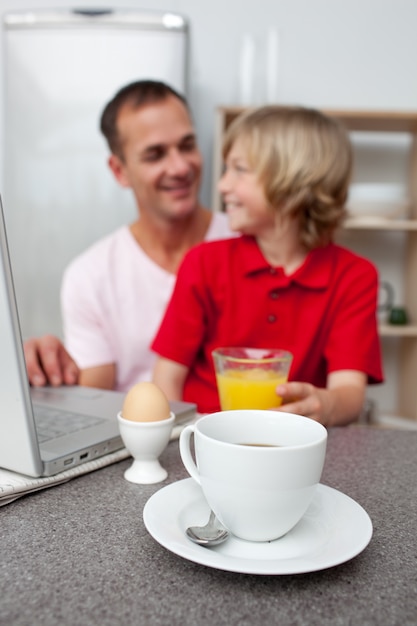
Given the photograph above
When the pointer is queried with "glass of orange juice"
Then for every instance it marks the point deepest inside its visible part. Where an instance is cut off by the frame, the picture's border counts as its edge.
(248, 377)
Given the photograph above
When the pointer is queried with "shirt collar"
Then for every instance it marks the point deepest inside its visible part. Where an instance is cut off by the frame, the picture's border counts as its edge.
(314, 273)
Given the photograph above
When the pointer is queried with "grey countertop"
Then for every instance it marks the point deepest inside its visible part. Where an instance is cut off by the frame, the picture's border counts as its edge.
(79, 553)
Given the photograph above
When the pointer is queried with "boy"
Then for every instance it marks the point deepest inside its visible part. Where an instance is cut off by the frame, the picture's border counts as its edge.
(283, 283)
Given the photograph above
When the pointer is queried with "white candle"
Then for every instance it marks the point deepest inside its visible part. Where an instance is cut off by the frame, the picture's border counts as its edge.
(272, 66)
(246, 70)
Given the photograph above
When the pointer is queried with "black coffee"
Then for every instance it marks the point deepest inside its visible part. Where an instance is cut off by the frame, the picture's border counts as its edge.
(261, 445)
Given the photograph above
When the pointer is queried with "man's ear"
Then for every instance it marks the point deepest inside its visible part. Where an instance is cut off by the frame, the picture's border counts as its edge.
(119, 171)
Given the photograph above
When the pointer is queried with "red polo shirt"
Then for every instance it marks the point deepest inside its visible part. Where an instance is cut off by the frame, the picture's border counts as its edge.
(226, 294)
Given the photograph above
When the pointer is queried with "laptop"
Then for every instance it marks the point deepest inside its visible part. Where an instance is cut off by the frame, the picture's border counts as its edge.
(44, 431)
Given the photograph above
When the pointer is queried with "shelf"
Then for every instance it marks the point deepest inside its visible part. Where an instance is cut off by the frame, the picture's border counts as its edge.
(394, 421)
(390, 330)
(377, 121)
(380, 224)
(358, 120)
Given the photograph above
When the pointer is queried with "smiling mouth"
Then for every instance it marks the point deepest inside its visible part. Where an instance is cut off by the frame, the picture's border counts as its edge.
(231, 206)
(183, 186)
(178, 187)
(181, 192)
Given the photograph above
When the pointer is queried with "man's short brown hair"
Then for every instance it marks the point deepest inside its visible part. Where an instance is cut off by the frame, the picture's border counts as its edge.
(134, 95)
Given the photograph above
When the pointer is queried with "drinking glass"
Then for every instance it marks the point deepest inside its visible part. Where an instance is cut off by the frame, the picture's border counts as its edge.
(247, 378)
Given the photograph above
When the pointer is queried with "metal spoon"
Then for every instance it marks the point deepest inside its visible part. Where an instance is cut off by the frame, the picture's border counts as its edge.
(209, 535)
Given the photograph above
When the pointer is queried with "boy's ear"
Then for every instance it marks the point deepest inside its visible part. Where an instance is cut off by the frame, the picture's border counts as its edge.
(119, 171)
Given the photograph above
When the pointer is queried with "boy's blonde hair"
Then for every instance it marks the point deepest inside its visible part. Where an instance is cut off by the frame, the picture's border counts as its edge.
(303, 159)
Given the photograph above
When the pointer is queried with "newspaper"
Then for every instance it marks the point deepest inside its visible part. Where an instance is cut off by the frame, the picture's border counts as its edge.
(13, 485)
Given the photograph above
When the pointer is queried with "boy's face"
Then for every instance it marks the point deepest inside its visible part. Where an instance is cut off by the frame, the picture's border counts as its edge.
(246, 205)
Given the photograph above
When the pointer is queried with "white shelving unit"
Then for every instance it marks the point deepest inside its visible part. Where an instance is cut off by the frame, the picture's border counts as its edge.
(372, 122)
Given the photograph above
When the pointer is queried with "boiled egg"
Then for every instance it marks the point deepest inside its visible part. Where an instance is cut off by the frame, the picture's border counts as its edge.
(145, 402)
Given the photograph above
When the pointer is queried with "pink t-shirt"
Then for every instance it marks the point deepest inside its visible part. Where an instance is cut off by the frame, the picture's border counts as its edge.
(113, 298)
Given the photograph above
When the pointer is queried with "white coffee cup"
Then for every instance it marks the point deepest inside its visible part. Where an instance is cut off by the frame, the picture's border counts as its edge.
(258, 469)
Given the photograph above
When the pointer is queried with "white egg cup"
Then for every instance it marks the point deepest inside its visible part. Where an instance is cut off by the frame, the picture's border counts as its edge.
(145, 441)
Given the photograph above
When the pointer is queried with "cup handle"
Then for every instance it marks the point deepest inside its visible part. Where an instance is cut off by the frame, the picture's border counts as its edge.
(186, 455)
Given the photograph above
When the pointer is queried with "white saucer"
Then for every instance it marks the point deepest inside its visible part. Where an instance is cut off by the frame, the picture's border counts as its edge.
(334, 529)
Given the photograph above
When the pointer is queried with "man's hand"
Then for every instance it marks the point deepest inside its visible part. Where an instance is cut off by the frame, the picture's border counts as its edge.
(48, 363)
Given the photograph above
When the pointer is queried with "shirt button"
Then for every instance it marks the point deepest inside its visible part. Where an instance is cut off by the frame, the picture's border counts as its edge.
(272, 318)
(274, 295)
(272, 271)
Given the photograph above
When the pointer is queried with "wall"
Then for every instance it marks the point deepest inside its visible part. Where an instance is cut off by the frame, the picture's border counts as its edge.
(332, 53)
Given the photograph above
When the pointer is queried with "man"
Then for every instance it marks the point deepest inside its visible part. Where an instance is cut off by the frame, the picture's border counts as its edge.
(114, 295)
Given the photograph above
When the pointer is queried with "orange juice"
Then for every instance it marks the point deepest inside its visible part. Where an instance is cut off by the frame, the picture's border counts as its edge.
(250, 389)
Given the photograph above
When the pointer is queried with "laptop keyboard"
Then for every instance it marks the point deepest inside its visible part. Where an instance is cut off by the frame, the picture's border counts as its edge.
(53, 423)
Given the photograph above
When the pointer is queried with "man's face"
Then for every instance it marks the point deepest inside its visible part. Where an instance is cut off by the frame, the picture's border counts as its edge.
(161, 161)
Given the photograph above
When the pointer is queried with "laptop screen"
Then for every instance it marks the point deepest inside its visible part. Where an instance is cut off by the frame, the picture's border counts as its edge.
(18, 442)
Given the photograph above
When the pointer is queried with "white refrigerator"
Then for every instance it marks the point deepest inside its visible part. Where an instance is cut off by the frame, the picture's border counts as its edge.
(60, 68)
